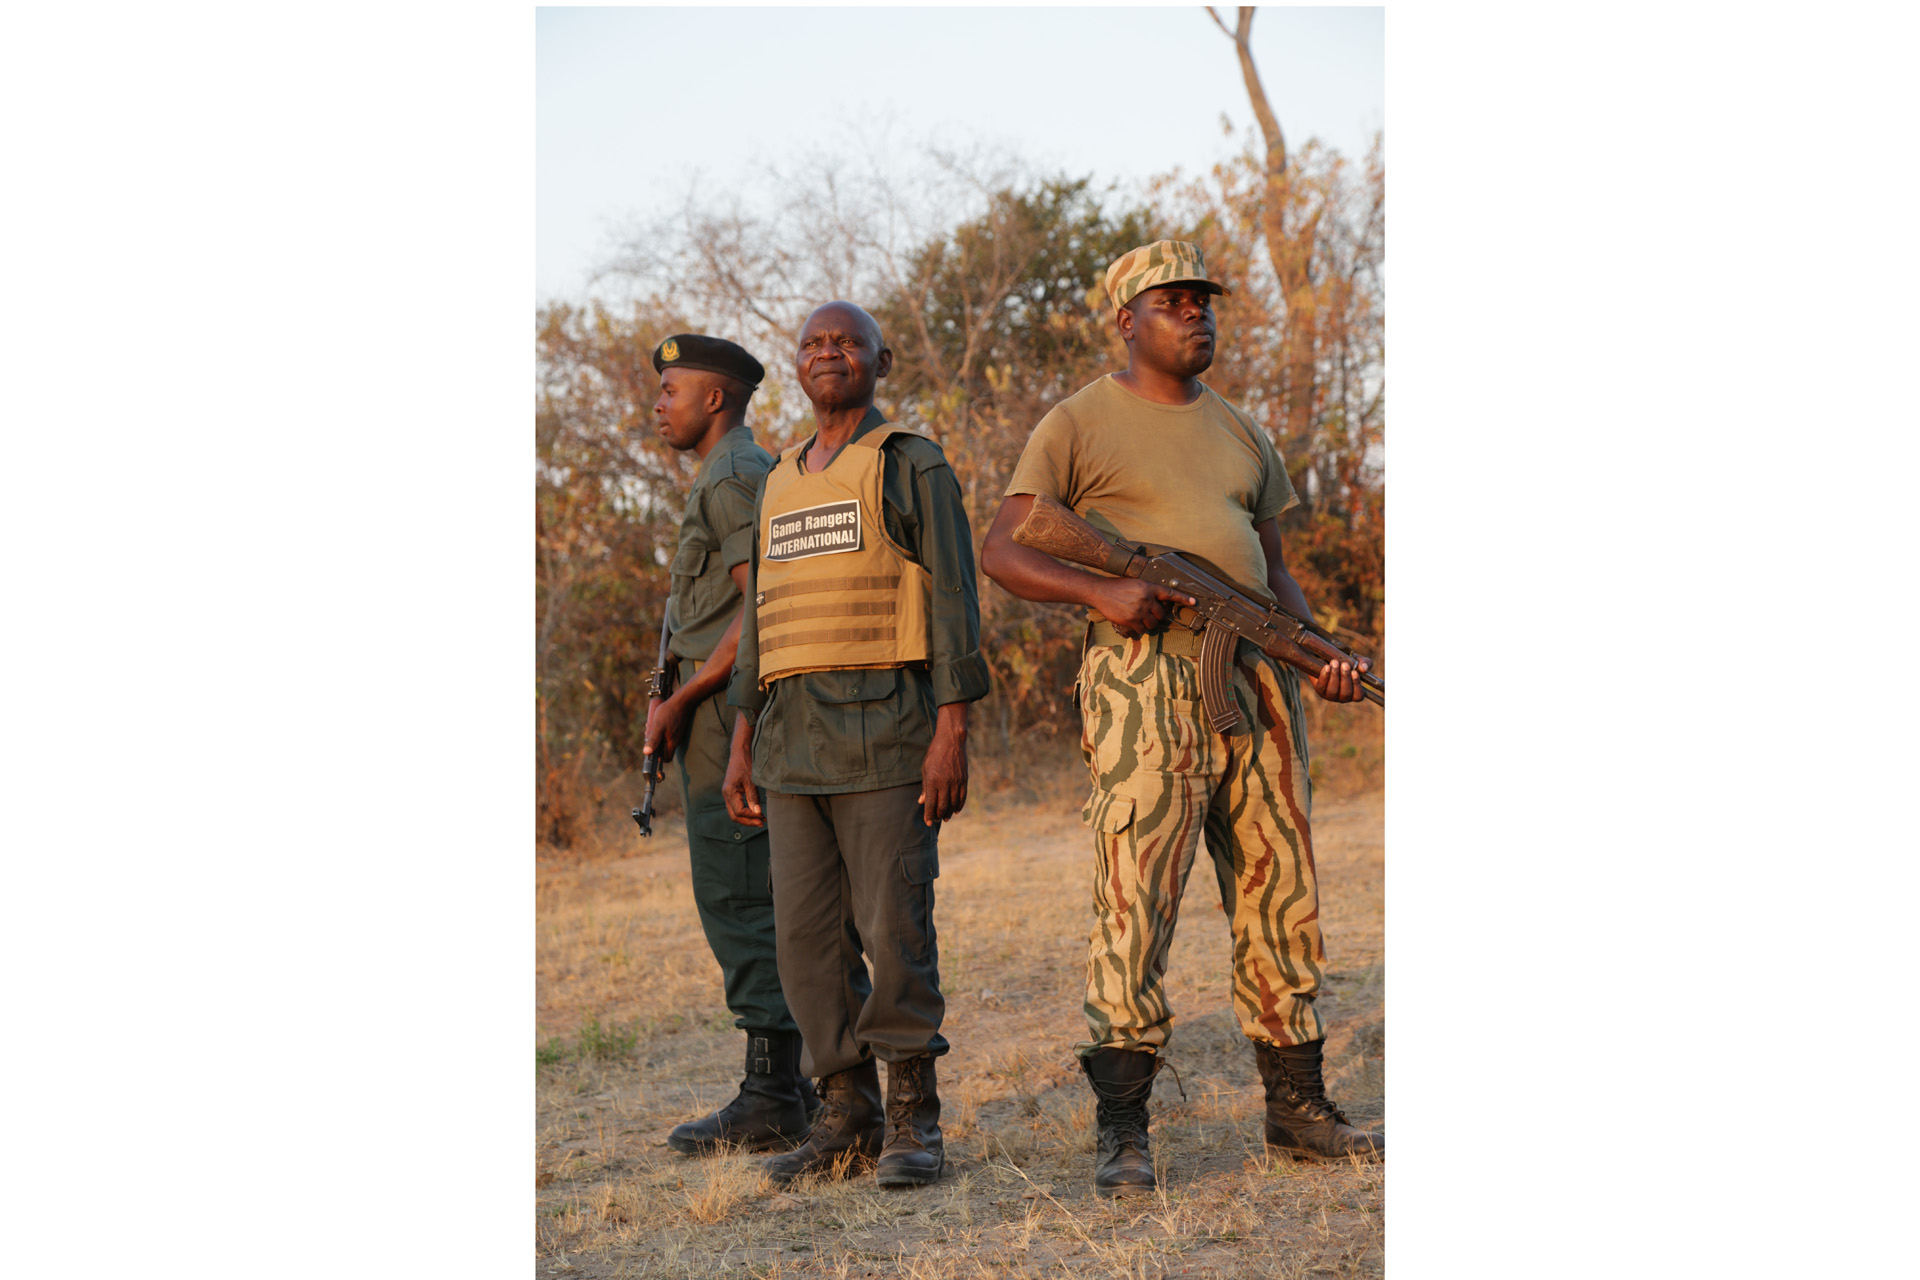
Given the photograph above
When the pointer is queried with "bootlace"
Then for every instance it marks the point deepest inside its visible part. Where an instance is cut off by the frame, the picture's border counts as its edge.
(906, 1089)
(836, 1108)
(1166, 1064)
(1123, 1109)
(1307, 1084)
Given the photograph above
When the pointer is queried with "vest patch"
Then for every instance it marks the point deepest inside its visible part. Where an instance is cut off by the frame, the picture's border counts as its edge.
(814, 531)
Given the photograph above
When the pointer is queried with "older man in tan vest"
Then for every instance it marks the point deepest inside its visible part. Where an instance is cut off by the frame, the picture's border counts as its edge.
(857, 659)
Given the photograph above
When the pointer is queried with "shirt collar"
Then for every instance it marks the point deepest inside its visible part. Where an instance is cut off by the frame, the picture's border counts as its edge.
(874, 418)
(733, 438)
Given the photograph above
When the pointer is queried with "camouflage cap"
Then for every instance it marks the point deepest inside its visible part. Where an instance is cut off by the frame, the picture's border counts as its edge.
(1152, 265)
(715, 355)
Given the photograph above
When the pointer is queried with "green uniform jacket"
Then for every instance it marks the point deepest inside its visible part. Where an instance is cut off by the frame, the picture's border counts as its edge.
(831, 732)
(716, 533)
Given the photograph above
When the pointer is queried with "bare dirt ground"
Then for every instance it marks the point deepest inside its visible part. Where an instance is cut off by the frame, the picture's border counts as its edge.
(634, 1039)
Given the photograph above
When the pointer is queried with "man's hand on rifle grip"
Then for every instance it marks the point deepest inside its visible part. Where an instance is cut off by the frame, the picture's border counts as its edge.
(666, 727)
(1135, 607)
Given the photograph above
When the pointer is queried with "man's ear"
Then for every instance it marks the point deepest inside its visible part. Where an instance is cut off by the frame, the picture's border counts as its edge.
(1123, 320)
(884, 363)
(716, 400)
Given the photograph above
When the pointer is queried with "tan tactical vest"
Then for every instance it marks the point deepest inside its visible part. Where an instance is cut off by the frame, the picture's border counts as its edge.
(833, 591)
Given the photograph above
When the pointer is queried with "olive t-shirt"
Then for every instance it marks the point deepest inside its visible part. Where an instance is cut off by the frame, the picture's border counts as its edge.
(1195, 477)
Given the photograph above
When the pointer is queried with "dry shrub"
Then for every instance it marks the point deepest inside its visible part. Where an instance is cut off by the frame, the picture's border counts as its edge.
(729, 1181)
(567, 795)
(1348, 746)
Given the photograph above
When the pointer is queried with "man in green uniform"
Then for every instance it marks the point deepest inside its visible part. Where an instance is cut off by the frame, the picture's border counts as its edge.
(855, 666)
(704, 387)
(1153, 455)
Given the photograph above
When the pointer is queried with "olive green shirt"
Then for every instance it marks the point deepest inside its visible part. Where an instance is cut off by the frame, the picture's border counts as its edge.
(832, 732)
(1195, 477)
(716, 533)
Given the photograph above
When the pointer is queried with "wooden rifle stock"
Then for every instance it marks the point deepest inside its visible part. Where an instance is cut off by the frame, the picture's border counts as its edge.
(1224, 615)
(1051, 528)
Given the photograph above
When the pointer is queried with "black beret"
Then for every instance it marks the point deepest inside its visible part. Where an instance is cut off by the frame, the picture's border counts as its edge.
(715, 355)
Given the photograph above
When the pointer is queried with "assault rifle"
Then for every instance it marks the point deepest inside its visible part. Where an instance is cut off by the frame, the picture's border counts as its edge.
(653, 767)
(1225, 614)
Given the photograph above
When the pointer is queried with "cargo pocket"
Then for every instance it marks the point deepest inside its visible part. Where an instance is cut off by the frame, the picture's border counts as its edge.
(716, 872)
(1107, 811)
(757, 869)
(729, 860)
(919, 868)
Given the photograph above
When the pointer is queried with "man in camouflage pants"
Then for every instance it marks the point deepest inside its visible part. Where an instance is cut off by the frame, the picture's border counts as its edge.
(1154, 455)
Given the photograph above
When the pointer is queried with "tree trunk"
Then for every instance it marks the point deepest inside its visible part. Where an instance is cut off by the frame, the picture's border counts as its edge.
(1291, 253)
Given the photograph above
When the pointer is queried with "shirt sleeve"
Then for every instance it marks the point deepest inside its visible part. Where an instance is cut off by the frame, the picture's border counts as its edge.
(743, 690)
(1046, 464)
(1276, 489)
(935, 529)
(731, 510)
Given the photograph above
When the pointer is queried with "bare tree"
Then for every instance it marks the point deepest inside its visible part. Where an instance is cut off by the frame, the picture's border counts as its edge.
(1290, 227)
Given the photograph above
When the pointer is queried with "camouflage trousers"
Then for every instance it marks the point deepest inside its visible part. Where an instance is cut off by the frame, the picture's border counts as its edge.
(1163, 779)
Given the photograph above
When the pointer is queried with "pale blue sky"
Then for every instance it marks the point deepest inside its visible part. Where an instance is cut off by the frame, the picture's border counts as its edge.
(636, 105)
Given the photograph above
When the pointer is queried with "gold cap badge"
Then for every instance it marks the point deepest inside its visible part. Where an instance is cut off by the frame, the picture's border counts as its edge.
(671, 351)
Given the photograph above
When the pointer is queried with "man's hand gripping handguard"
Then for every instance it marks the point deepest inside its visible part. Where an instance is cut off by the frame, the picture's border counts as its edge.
(1222, 616)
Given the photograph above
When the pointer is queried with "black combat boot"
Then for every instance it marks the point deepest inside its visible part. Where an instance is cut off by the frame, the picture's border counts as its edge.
(769, 1112)
(914, 1153)
(848, 1127)
(1300, 1120)
(1122, 1081)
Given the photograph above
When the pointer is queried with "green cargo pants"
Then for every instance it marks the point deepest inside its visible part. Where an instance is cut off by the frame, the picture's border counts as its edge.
(732, 882)
(855, 879)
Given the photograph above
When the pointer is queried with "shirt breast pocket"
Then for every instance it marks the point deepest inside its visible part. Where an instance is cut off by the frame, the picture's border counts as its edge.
(853, 716)
(690, 562)
(694, 593)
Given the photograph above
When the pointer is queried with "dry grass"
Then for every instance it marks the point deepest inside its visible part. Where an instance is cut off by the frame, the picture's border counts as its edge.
(620, 954)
